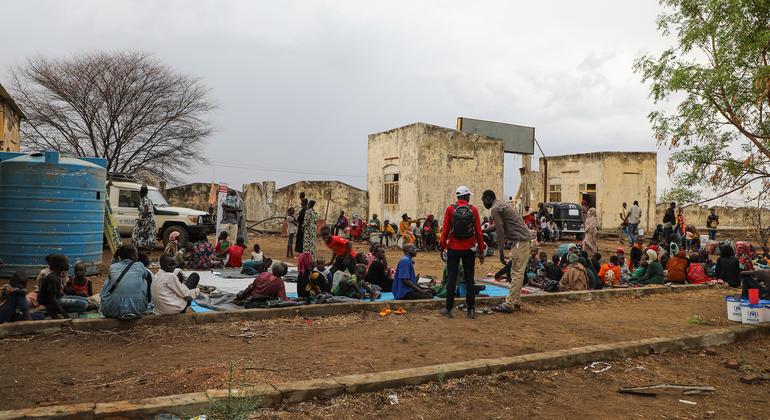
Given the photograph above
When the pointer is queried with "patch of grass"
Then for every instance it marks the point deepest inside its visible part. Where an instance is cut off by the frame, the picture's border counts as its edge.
(441, 378)
(234, 407)
(695, 320)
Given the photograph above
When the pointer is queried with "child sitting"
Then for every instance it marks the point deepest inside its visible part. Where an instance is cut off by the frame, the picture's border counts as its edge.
(173, 244)
(257, 256)
(234, 254)
(51, 294)
(610, 273)
(552, 270)
(79, 285)
(13, 300)
(625, 272)
(222, 245)
(169, 294)
(323, 270)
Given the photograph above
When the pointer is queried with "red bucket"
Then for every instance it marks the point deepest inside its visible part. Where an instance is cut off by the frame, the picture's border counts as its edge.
(753, 296)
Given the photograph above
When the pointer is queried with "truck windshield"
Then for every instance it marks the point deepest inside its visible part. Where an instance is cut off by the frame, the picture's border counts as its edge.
(157, 198)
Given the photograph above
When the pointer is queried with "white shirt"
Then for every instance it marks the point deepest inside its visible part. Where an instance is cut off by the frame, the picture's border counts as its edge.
(634, 215)
(168, 293)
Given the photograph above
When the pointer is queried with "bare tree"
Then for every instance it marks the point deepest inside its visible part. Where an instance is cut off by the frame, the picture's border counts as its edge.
(127, 107)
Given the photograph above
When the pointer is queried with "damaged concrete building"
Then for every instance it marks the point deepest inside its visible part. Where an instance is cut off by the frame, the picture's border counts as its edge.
(416, 169)
(267, 204)
(605, 180)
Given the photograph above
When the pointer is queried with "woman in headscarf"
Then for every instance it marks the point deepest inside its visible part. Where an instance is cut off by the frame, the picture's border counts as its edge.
(300, 240)
(589, 241)
(654, 272)
(575, 276)
(309, 227)
(145, 235)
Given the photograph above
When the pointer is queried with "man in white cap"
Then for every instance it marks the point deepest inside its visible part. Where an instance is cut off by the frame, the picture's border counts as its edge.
(461, 232)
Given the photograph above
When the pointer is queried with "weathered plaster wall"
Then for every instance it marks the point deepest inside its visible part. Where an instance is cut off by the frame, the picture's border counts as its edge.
(433, 162)
(10, 123)
(264, 201)
(193, 196)
(619, 177)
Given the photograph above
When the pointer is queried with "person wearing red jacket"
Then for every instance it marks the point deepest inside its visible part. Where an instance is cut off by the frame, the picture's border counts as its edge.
(461, 232)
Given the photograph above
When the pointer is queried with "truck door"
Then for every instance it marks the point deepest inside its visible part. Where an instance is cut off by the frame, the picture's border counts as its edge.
(127, 209)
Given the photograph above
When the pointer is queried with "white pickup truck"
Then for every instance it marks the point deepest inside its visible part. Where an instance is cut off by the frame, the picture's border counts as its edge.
(192, 225)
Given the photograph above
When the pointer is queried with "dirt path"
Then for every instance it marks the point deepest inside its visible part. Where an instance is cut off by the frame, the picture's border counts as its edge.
(153, 361)
(571, 393)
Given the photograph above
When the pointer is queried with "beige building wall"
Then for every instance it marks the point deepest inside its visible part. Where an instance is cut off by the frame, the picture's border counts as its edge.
(432, 161)
(619, 177)
(10, 122)
(264, 201)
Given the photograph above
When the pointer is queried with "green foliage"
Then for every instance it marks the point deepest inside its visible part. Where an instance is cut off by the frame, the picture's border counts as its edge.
(441, 378)
(719, 74)
(695, 320)
(681, 196)
(235, 407)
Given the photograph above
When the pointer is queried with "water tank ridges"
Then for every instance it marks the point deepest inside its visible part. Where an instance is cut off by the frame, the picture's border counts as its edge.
(50, 205)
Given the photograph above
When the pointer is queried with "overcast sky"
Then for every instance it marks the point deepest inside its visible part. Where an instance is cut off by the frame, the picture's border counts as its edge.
(300, 84)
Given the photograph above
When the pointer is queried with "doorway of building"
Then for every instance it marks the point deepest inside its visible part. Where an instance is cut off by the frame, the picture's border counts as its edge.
(587, 193)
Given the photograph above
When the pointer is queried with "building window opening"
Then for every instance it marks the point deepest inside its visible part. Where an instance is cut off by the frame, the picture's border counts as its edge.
(391, 188)
(554, 193)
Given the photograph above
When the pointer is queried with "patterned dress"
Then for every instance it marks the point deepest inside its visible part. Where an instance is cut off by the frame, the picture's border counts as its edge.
(145, 234)
(311, 219)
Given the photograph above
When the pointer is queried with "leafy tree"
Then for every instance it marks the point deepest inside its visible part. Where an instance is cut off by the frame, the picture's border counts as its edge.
(681, 196)
(142, 116)
(718, 74)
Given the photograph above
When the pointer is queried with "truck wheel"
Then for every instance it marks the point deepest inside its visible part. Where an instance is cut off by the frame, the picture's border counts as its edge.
(183, 235)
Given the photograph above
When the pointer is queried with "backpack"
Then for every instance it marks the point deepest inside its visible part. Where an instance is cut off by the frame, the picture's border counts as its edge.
(463, 222)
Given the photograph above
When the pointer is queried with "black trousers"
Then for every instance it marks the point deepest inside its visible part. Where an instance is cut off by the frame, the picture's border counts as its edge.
(453, 260)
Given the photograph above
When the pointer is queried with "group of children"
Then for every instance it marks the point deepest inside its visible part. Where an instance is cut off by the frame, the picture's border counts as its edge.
(55, 293)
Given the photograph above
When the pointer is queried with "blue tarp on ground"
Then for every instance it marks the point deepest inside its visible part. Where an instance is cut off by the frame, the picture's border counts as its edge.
(494, 291)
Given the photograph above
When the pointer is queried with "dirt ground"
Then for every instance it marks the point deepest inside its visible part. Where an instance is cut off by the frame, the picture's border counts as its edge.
(152, 361)
(572, 393)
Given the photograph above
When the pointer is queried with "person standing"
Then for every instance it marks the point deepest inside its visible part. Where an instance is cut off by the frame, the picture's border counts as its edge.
(669, 220)
(589, 241)
(145, 236)
(300, 240)
(623, 222)
(509, 227)
(711, 224)
(232, 208)
(634, 218)
(291, 231)
(461, 231)
(680, 227)
(311, 220)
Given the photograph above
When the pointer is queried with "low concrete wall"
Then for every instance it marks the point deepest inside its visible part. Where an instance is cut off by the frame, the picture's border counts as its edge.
(59, 325)
(269, 394)
(730, 218)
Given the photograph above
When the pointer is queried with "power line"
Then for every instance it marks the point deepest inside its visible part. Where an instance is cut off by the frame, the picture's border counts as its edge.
(282, 170)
